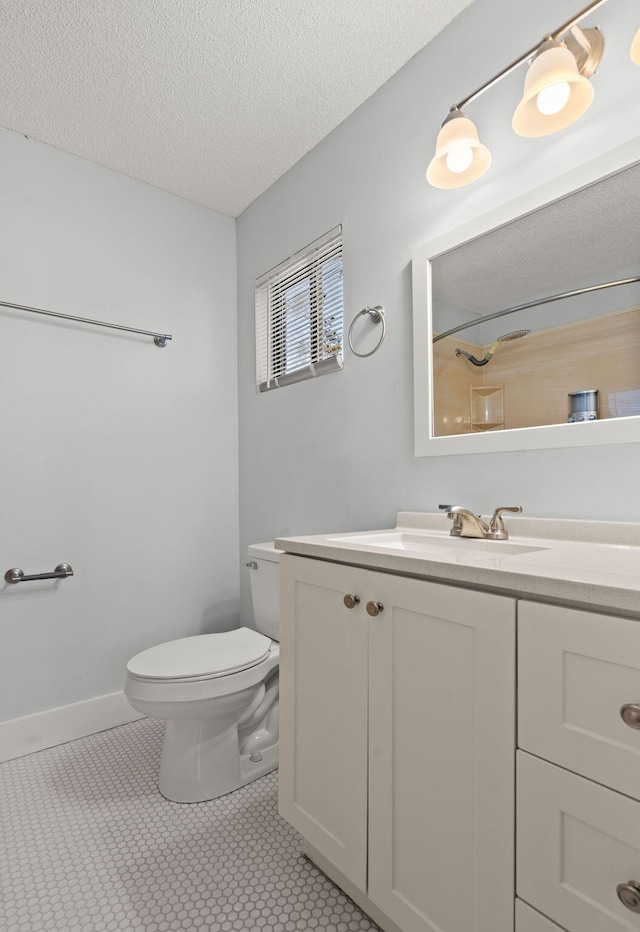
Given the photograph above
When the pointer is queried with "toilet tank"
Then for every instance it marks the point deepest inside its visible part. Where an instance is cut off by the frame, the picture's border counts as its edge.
(265, 593)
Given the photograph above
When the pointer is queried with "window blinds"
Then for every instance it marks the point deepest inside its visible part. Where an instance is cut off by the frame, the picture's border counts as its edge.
(299, 315)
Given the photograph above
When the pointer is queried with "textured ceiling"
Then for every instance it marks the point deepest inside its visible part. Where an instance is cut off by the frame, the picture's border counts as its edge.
(210, 99)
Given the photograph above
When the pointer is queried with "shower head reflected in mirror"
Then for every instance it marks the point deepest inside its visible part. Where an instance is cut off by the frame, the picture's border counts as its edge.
(514, 335)
(505, 338)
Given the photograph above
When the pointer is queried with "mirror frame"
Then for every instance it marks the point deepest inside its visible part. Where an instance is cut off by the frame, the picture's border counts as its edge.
(611, 430)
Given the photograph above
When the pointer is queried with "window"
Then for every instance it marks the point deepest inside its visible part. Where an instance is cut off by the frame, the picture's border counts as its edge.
(299, 315)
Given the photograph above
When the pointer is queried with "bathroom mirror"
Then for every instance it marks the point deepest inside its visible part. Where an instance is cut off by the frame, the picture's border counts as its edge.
(527, 320)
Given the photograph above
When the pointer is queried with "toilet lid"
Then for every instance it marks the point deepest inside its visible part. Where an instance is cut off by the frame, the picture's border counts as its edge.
(202, 655)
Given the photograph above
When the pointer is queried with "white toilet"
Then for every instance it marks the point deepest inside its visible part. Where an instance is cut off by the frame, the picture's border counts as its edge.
(218, 694)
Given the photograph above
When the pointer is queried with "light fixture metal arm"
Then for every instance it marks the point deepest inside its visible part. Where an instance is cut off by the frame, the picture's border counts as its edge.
(496, 78)
(566, 27)
(556, 34)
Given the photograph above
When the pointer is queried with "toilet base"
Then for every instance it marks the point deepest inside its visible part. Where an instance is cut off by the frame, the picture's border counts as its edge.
(196, 766)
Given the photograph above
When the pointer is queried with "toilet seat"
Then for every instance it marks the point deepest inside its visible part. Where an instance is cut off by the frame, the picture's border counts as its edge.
(204, 656)
(183, 691)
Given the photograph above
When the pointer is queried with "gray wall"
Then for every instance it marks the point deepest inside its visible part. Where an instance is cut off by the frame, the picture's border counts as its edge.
(336, 453)
(115, 456)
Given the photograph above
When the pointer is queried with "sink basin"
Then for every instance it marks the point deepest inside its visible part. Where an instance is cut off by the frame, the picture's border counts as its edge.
(421, 542)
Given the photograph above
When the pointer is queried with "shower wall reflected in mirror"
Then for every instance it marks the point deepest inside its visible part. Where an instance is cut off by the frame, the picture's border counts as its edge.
(504, 356)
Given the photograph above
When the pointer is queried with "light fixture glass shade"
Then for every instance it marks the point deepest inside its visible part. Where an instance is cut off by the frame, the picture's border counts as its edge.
(460, 156)
(554, 65)
(634, 51)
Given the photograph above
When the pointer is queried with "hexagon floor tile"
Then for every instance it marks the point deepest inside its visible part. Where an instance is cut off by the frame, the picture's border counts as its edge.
(88, 844)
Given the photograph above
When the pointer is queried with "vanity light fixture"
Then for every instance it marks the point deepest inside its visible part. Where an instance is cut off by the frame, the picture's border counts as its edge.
(634, 51)
(557, 92)
(460, 156)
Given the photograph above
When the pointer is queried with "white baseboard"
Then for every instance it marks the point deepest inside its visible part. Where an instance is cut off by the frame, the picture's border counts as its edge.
(20, 736)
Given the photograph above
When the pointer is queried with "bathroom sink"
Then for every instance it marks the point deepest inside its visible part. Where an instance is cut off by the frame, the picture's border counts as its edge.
(589, 562)
(425, 543)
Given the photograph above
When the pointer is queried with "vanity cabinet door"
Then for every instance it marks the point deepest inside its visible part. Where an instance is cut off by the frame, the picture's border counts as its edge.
(323, 710)
(528, 920)
(441, 766)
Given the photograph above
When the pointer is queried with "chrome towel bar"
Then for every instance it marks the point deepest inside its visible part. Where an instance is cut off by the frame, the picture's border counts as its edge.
(15, 575)
(160, 339)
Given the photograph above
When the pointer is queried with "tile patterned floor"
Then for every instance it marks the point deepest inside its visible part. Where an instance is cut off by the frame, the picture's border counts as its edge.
(87, 844)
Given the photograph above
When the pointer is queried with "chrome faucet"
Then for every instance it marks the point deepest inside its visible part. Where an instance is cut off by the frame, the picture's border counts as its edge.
(466, 524)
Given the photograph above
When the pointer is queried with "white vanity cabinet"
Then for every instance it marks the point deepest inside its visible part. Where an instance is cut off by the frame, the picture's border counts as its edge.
(323, 711)
(578, 789)
(397, 742)
(528, 920)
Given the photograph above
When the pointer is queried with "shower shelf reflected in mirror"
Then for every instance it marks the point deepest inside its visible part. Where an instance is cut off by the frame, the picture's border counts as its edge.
(487, 407)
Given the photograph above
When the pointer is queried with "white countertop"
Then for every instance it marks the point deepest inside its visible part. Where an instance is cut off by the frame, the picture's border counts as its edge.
(593, 564)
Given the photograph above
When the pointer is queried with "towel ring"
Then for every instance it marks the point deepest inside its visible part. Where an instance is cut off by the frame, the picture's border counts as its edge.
(377, 316)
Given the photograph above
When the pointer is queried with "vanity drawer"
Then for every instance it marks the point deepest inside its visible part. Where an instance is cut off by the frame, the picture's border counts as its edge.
(576, 671)
(576, 842)
(528, 920)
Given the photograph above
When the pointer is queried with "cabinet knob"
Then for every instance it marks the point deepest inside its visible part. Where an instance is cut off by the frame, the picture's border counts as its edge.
(374, 608)
(631, 714)
(351, 600)
(629, 895)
